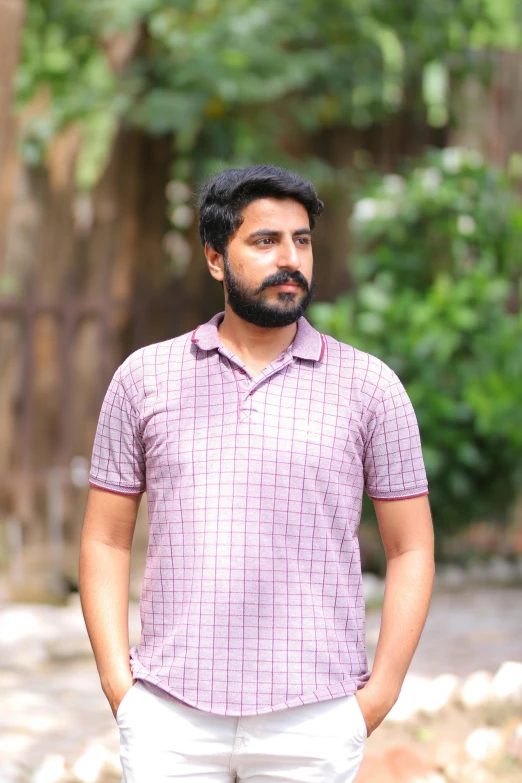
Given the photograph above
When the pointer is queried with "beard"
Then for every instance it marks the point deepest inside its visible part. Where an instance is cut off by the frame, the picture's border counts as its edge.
(247, 305)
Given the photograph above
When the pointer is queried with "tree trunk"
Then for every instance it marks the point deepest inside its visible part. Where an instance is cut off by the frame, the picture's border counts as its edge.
(11, 18)
(489, 117)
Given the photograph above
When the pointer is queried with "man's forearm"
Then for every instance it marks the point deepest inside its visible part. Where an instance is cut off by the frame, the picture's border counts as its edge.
(409, 584)
(104, 593)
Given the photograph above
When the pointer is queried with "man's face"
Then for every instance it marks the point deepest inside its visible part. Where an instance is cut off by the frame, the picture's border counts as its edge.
(268, 266)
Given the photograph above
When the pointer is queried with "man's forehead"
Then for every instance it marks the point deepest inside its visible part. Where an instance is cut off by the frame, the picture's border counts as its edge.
(274, 213)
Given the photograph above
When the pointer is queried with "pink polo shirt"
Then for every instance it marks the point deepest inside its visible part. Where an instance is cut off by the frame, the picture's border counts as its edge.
(252, 596)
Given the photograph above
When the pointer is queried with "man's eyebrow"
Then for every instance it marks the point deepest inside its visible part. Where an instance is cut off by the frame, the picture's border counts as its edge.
(270, 232)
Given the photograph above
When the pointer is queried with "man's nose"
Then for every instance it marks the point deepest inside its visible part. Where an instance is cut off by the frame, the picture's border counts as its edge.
(288, 256)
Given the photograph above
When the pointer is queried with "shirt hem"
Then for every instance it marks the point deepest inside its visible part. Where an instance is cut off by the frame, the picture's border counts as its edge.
(324, 693)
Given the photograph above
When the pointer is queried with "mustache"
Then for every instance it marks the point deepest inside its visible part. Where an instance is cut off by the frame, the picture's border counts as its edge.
(280, 278)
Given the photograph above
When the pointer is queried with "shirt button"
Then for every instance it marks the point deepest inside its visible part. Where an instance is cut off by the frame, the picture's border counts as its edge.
(242, 371)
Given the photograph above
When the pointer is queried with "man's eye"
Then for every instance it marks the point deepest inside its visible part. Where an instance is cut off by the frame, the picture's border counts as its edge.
(304, 240)
(264, 241)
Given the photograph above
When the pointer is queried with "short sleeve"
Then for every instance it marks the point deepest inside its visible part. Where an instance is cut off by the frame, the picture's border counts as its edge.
(393, 462)
(118, 459)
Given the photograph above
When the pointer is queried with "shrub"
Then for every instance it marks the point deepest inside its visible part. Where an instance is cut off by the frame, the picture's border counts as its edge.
(437, 273)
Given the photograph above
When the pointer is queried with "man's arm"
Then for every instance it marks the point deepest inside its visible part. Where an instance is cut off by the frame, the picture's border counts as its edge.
(407, 534)
(105, 551)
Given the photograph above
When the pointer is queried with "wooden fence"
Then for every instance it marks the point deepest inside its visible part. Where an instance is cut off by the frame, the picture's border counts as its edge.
(42, 496)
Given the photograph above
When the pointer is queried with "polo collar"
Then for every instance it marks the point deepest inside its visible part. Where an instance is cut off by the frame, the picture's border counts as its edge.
(308, 342)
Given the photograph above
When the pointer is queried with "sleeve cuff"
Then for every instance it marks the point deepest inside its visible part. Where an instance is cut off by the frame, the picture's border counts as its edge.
(115, 489)
(405, 494)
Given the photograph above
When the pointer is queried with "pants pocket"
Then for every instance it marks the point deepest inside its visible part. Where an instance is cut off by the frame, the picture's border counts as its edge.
(122, 706)
(361, 723)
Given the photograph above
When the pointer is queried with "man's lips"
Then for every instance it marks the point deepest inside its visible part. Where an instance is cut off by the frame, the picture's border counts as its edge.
(288, 287)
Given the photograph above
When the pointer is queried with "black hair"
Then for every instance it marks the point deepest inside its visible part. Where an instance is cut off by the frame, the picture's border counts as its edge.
(224, 197)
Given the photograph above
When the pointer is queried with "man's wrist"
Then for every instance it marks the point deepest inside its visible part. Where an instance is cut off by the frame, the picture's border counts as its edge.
(375, 701)
(383, 692)
(115, 680)
(116, 688)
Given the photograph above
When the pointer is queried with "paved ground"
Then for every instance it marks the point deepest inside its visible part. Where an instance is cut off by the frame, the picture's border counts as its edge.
(57, 707)
(467, 630)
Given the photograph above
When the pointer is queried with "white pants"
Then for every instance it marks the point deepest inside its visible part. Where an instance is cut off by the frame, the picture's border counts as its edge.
(162, 739)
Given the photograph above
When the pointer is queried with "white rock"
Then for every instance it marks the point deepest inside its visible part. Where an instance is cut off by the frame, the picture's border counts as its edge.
(14, 744)
(507, 682)
(10, 772)
(447, 753)
(42, 724)
(501, 570)
(468, 773)
(24, 656)
(51, 770)
(17, 623)
(484, 744)
(476, 689)
(90, 764)
(113, 763)
(23, 631)
(420, 694)
(32, 635)
(439, 693)
(414, 693)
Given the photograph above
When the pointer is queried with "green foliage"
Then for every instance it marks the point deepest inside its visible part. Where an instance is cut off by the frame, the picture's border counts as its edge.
(233, 80)
(505, 30)
(436, 266)
(64, 61)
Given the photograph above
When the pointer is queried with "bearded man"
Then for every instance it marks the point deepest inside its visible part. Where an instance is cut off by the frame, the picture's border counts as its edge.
(255, 437)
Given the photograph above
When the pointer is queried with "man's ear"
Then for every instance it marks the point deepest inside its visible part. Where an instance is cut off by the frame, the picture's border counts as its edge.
(215, 263)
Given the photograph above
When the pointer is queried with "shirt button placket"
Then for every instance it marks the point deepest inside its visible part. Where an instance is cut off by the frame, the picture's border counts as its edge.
(244, 383)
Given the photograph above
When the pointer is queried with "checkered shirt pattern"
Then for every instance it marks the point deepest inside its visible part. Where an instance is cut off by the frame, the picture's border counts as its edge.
(252, 596)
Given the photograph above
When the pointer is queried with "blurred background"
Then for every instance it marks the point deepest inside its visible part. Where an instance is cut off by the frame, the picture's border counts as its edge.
(408, 118)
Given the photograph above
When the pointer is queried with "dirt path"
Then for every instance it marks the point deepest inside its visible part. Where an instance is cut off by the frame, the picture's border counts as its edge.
(56, 708)
(466, 630)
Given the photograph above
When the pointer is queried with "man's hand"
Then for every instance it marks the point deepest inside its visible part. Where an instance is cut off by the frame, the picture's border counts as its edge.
(105, 554)
(115, 691)
(374, 707)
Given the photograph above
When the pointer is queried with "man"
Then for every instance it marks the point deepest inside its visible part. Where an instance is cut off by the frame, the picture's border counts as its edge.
(254, 437)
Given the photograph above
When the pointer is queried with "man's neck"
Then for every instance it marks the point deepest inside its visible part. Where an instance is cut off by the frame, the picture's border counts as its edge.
(256, 346)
